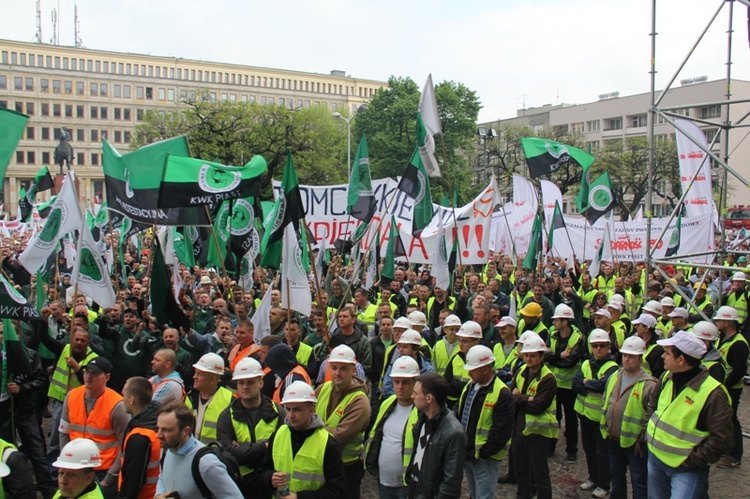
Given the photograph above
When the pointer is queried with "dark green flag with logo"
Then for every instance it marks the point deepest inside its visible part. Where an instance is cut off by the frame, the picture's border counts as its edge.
(360, 196)
(13, 125)
(601, 199)
(674, 241)
(535, 245)
(558, 222)
(544, 156)
(416, 185)
(13, 304)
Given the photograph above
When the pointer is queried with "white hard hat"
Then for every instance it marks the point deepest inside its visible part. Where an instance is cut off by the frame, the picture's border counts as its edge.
(410, 337)
(617, 298)
(402, 322)
(470, 329)
(599, 336)
(706, 331)
(534, 344)
(727, 313)
(343, 354)
(615, 304)
(405, 367)
(633, 345)
(452, 320)
(79, 454)
(667, 302)
(478, 356)
(525, 336)
(654, 307)
(739, 276)
(507, 321)
(247, 368)
(210, 363)
(418, 318)
(562, 311)
(646, 320)
(299, 391)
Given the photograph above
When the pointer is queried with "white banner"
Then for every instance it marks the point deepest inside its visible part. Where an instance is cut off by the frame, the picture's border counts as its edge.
(694, 163)
(524, 192)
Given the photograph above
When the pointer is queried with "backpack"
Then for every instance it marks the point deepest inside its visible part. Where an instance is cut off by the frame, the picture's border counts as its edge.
(226, 458)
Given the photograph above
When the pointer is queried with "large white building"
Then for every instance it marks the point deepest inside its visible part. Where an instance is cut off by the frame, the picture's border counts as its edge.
(616, 118)
(98, 94)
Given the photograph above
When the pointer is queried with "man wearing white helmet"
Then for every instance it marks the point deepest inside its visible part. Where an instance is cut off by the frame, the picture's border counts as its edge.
(505, 351)
(354, 338)
(617, 323)
(679, 318)
(485, 410)
(419, 324)
(207, 399)
(566, 349)
(664, 322)
(409, 346)
(734, 349)
(713, 361)
(588, 384)
(623, 425)
(469, 335)
(391, 442)
(738, 298)
(691, 425)
(535, 426)
(445, 347)
(344, 408)
(75, 470)
(245, 427)
(645, 329)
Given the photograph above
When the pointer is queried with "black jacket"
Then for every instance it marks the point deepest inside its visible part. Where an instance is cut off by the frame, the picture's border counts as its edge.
(137, 451)
(442, 468)
(502, 421)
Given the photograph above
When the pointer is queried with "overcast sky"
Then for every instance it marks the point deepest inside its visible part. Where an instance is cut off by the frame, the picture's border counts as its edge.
(534, 52)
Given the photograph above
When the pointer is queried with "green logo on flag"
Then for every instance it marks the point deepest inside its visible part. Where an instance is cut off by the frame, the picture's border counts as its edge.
(600, 197)
(89, 266)
(52, 226)
(242, 218)
(421, 192)
(214, 180)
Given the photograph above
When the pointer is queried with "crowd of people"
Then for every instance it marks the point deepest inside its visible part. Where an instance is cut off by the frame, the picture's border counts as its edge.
(422, 387)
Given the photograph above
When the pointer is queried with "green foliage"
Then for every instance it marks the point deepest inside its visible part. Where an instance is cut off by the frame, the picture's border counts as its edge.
(232, 132)
(390, 123)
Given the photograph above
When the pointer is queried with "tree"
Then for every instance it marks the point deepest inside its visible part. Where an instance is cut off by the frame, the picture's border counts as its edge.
(390, 123)
(232, 132)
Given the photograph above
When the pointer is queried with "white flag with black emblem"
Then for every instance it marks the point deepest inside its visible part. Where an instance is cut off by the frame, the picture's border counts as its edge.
(295, 290)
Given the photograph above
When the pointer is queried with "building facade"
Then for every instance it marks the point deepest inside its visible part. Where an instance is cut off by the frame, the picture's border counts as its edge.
(98, 94)
(615, 118)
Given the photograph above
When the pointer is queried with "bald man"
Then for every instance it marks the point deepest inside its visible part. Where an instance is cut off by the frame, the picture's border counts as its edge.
(166, 382)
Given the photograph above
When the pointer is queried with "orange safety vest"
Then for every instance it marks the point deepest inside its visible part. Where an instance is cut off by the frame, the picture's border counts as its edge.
(97, 424)
(236, 355)
(297, 370)
(148, 490)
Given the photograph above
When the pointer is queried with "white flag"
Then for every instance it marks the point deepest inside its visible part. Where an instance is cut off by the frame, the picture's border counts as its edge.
(440, 269)
(65, 216)
(695, 163)
(372, 268)
(176, 278)
(428, 107)
(320, 259)
(524, 192)
(295, 290)
(261, 319)
(550, 194)
(90, 272)
(428, 124)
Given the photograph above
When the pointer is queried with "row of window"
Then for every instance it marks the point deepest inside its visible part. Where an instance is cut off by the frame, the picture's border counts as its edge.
(77, 111)
(78, 134)
(173, 72)
(639, 120)
(30, 157)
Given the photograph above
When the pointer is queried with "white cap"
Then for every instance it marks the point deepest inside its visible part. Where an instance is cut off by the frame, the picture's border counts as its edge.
(402, 322)
(526, 335)
(343, 354)
(205, 280)
(667, 302)
(405, 367)
(615, 304)
(633, 345)
(604, 313)
(418, 318)
(79, 454)
(646, 320)
(727, 313)
(688, 343)
(534, 344)
(210, 363)
(507, 321)
(452, 320)
(562, 311)
(299, 391)
(739, 276)
(599, 336)
(410, 337)
(654, 306)
(678, 312)
(706, 331)
(478, 356)
(247, 368)
(470, 329)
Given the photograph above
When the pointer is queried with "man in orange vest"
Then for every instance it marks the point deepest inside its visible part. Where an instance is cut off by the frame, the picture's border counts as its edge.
(140, 448)
(104, 421)
(245, 346)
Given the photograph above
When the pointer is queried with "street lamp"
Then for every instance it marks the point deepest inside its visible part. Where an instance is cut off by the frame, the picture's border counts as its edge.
(349, 120)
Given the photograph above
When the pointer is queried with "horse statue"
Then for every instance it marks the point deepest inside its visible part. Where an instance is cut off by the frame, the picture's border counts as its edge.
(63, 151)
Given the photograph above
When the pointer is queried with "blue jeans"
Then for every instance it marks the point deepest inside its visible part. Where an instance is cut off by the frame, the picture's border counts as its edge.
(664, 481)
(620, 460)
(481, 476)
(391, 492)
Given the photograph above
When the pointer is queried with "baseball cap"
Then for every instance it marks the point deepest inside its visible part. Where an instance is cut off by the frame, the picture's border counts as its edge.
(603, 312)
(688, 343)
(678, 312)
(507, 321)
(99, 364)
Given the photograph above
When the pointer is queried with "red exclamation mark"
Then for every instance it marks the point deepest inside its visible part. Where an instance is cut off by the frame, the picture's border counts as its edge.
(479, 231)
(465, 230)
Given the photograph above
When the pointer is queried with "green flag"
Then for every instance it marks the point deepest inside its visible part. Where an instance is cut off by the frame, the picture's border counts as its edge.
(163, 303)
(25, 207)
(13, 125)
(674, 241)
(13, 305)
(558, 222)
(389, 262)
(183, 247)
(535, 245)
(360, 197)
(545, 156)
(416, 184)
(582, 199)
(601, 199)
(16, 362)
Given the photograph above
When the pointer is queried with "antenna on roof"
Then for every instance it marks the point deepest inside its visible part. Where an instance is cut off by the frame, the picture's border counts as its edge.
(38, 38)
(77, 27)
